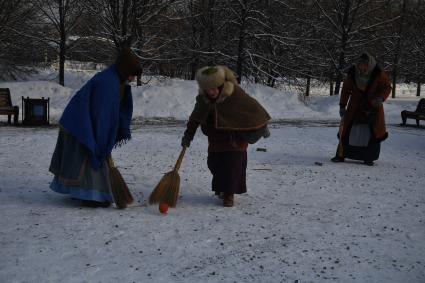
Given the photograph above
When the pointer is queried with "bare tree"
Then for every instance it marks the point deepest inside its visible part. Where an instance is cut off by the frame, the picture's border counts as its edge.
(413, 65)
(270, 55)
(15, 50)
(348, 27)
(266, 41)
(203, 21)
(397, 52)
(131, 23)
(54, 26)
(123, 22)
(243, 19)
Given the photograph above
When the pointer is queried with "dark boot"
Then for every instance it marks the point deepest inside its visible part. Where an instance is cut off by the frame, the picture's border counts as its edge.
(220, 195)
(228, 200)
(337, 159)
(92, 203)
(369, 162)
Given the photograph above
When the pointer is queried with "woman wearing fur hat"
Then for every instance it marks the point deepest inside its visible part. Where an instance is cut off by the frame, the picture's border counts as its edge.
(362, 129)
(230, 118)
(96, 119)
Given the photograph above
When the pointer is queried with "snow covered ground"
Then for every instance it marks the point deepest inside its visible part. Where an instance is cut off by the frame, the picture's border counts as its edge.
(304, 219)
(299, 221)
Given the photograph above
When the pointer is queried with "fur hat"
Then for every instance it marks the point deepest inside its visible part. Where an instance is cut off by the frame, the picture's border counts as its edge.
(128, 64)
(214, 76)
(363, 58)
(366, 58)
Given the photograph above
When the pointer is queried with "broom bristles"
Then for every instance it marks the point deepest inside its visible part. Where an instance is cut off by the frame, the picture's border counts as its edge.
(167, 190)
(121, 193)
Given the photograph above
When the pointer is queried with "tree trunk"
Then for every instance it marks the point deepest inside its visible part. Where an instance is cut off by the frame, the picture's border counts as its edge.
(124, 25)
(337, 85)
(331, 87)
(197, 36)
(62, 64)
(418, 89)
(139, 45)
(239, 63)
(393, 91)
(341, 66)
(397, 55)
(241, 47)
(211, 32)
(307, 91)
(344, 40)
(62, 44)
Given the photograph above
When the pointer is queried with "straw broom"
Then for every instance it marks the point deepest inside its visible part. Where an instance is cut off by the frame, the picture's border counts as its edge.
(168, 187)
(120, 192)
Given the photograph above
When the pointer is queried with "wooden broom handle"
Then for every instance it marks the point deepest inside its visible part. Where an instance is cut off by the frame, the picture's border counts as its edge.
(111, 162)
(180, 159)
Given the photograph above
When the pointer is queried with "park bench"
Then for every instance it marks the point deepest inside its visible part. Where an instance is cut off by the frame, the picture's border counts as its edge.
(418, 114)
(6, 107)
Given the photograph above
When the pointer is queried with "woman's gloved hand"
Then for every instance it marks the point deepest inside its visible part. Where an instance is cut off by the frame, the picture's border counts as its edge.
(185, 141)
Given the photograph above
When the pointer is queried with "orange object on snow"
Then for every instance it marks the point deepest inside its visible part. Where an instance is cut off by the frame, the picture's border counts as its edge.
(163, 207)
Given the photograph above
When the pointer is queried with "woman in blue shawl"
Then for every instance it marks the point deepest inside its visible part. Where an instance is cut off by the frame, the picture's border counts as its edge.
(96, 120)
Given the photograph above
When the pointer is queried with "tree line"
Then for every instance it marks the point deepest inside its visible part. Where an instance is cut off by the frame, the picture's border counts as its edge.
(264, 41)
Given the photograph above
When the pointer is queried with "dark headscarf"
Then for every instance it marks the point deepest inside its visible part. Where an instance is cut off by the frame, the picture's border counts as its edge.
(128, 64)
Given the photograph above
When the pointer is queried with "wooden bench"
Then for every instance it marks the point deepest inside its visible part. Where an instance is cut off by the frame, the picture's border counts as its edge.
(6, 107)
(418, 114)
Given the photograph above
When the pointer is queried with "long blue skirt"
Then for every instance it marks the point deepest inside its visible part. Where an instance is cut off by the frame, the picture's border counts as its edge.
(74, 174)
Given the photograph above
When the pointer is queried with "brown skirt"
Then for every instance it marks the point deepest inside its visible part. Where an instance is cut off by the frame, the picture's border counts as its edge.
(229, 171)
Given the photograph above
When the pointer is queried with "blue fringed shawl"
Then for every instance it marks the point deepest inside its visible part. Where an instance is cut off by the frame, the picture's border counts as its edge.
(96, 118)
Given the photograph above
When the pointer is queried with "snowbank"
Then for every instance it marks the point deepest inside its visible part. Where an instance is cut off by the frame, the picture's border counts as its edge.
(175, 98)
